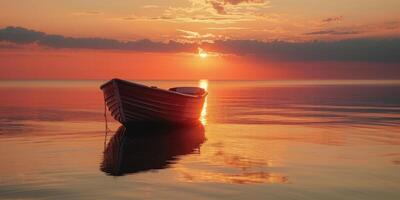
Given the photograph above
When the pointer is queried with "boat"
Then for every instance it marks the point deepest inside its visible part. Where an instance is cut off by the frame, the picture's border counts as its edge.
(131, 103)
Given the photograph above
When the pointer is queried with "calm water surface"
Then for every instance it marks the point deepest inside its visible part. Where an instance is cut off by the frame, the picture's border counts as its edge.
(258, 140)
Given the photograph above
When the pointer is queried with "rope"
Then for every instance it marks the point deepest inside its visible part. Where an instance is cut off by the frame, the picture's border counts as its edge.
(106, 122)
(105, 113)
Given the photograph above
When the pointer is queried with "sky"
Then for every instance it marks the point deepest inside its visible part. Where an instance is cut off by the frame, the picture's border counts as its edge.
(200, 39)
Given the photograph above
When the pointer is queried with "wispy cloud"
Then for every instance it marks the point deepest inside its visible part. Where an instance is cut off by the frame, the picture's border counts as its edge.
(332, 32)
(204, 11)
(196, 37)
(220, 5)
(150, 6)
(333, 19)
(354, 31)
(87, 13)
(227, 28)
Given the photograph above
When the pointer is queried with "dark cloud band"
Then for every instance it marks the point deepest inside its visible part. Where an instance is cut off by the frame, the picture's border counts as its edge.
(21, 35)
(376, 50)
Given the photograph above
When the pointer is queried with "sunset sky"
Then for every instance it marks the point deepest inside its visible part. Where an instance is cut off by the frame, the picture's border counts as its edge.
(200, 39)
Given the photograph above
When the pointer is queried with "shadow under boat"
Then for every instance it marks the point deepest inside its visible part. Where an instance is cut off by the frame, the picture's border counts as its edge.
(144, 147)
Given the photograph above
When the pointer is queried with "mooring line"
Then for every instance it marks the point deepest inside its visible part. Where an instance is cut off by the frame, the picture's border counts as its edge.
(106, 122)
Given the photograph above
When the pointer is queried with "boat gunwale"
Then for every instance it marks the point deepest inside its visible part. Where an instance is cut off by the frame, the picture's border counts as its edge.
(154, 88)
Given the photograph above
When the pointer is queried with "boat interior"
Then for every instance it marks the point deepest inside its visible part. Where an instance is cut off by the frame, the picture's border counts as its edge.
(189, 90)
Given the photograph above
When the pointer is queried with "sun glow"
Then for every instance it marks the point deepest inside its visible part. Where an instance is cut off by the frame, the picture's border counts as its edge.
(203, 116)
(203, 84)
(202, 53)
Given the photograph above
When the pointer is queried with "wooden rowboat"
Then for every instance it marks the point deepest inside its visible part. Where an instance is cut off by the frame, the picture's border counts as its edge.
(136, 103)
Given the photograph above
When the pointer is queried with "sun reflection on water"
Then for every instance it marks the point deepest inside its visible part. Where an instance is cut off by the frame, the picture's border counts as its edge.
(203, 116)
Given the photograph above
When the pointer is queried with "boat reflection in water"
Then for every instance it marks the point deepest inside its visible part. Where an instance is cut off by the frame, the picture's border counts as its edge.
(144, 147)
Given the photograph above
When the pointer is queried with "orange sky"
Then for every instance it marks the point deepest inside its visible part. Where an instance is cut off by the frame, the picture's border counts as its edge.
(89, 64)
(164, 20)
(64, 64)
(197, 22)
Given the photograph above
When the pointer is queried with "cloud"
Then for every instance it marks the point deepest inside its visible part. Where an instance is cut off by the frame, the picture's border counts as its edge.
(235, 2)
(150, 6)
(332, 32)
(227, 28)
(377, 50)
(219, 5)
(206, 11)
(21, 35)
(195, 37)
(333, 19)
(87, 13)
(360, 30)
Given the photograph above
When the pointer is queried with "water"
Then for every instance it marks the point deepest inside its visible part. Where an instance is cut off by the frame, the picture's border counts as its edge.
(260, 139)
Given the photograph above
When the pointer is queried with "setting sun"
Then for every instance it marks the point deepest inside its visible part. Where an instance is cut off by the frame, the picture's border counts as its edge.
(202, 53)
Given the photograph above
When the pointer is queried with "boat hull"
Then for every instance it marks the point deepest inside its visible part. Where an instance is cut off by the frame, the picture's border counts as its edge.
(131, 103)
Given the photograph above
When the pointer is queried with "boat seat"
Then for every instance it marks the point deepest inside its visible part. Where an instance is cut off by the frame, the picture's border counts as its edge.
(188, 90)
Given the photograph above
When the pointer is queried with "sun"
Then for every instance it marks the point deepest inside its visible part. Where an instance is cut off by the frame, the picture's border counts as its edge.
(202, 53)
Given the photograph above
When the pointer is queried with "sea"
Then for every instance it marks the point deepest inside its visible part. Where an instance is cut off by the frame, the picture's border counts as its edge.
(294, 139)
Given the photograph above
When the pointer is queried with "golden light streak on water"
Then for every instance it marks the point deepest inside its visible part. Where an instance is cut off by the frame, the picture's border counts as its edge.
(203, 116)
